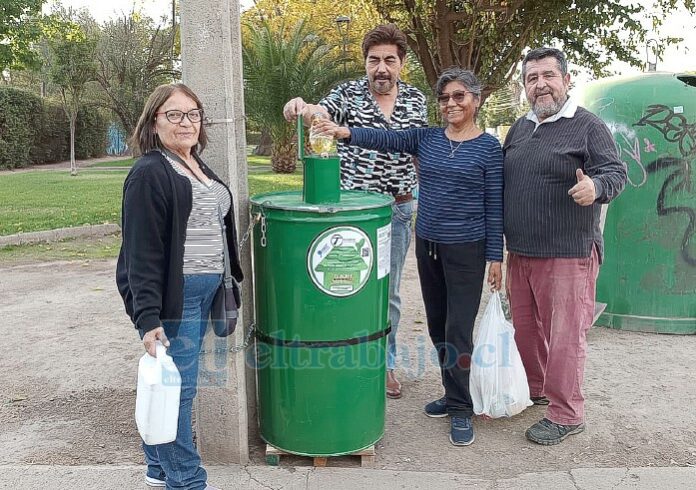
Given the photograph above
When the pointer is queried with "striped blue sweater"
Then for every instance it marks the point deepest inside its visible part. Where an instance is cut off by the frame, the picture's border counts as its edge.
(461, 198)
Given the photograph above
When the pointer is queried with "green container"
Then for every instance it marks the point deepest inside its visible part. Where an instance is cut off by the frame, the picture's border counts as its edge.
(317, 172)
(321, 285)
(648, 279)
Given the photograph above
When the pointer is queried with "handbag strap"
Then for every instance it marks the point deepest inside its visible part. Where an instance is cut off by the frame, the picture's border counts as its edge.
(225, 250)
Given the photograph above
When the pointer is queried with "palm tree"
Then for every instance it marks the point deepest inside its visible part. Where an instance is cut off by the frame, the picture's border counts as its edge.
(280, 65)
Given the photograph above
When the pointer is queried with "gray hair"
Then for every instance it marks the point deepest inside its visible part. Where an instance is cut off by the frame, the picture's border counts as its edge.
(544, 52)
(456, 74)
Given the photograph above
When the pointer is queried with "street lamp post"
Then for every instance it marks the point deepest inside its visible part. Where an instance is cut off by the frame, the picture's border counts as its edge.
(342, 24)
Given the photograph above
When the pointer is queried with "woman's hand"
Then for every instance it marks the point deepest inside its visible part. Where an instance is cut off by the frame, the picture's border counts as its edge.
(327, 127)
(495, 276)
(150, 340)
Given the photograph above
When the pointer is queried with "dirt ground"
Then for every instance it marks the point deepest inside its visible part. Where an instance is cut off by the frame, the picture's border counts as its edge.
(69, 356)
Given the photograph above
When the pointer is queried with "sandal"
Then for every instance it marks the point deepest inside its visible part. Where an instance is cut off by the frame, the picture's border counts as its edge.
(393, 386)
(540, 400)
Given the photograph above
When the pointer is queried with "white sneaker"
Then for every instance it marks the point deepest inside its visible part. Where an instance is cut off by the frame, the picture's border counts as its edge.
(154, 482)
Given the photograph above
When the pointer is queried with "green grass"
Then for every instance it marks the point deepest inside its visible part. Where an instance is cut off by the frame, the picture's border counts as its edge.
(89, 248)
(256, 160)
(115, 163)
(46, 200)
(252, 161)
(263, 182)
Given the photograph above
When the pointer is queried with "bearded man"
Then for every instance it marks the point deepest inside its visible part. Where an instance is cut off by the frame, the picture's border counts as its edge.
(378, 100)
(560, 166)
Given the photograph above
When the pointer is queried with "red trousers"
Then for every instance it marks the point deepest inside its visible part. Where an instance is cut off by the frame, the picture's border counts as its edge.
(552, 303)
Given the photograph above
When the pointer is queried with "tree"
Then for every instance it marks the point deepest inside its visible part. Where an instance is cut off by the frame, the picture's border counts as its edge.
(134, 55)
(503, 107)
(280, 64)
(320, 17)
(19, 27)
(489, 37)
(71, 67)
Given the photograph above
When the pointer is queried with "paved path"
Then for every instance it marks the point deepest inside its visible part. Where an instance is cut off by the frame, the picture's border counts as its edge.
(66, 165)
(88, 163)
(264, 477)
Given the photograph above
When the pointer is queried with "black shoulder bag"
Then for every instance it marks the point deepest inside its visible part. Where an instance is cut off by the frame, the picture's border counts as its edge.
(225, 308)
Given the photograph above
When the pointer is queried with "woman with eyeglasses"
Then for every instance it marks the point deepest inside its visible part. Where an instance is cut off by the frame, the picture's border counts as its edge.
(459, 227)
(171, 260)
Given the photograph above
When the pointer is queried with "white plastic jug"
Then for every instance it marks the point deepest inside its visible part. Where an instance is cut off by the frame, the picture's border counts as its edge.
(157, 399)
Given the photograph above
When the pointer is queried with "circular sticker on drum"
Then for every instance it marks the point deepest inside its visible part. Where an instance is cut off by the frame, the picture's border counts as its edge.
(340, 260)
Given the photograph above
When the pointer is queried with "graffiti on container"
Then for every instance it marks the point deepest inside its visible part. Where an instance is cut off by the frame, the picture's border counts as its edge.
(602, 103)
(627, 143)
(628, 146)
(649, 147)
(675, 129)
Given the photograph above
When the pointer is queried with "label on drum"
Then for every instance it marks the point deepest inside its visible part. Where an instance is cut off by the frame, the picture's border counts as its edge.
(340, 260)
(383, 251)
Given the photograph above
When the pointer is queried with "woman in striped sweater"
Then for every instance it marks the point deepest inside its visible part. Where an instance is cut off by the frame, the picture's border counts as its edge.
(171, 260)
(459, 227)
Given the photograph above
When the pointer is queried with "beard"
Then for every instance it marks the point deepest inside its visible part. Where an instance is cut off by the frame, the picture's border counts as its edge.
(382, 85)
(547, 108)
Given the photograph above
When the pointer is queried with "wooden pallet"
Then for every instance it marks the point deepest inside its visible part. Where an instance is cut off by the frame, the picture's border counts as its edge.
(367, 457)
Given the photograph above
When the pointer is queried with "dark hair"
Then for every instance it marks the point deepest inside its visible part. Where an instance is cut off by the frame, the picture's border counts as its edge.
(544, 52)
(456, 74)
(385, 34)
(144, 137)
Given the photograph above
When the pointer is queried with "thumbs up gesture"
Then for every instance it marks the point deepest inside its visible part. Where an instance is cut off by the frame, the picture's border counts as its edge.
(583, 192)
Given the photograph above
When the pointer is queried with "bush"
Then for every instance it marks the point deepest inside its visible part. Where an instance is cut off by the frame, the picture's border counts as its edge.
(36, 131)
(91, 133)
(253, 138)
(52, 142)
(18, 126)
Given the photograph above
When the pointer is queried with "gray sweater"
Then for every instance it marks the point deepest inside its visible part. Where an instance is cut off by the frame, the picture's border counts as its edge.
(540, 218)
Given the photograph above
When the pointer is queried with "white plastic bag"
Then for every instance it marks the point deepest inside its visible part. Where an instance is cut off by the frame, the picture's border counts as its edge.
(497, 381)
(157, 399)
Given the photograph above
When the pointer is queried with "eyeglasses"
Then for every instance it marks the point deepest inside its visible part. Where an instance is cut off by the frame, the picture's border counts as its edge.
(458, 97)
(176, 117)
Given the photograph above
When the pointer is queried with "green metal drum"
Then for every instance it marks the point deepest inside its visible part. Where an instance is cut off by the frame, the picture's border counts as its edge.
(648, 280)
(321, 278)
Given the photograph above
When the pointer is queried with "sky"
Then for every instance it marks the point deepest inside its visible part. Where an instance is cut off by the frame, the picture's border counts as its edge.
(104, 9)
(677, 58)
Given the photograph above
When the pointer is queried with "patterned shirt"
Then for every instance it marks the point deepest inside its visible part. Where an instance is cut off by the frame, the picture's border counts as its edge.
(352, 104)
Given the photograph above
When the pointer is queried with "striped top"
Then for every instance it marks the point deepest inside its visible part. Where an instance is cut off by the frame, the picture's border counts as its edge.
(203, 252)
(460, 199)
(541, 219)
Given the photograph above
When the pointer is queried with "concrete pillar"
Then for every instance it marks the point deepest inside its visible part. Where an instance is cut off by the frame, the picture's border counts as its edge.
(212, 67)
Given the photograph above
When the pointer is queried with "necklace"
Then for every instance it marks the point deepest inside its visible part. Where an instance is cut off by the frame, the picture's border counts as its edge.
(453, 149)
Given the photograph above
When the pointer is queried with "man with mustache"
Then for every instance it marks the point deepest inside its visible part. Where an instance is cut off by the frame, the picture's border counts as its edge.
(378, 100)
(560, 166)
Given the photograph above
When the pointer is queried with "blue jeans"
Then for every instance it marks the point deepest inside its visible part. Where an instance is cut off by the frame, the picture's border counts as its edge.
(178, 462)
(402, 215)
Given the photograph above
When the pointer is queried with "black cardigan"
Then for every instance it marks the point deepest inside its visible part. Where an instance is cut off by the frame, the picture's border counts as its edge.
(149, 273)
